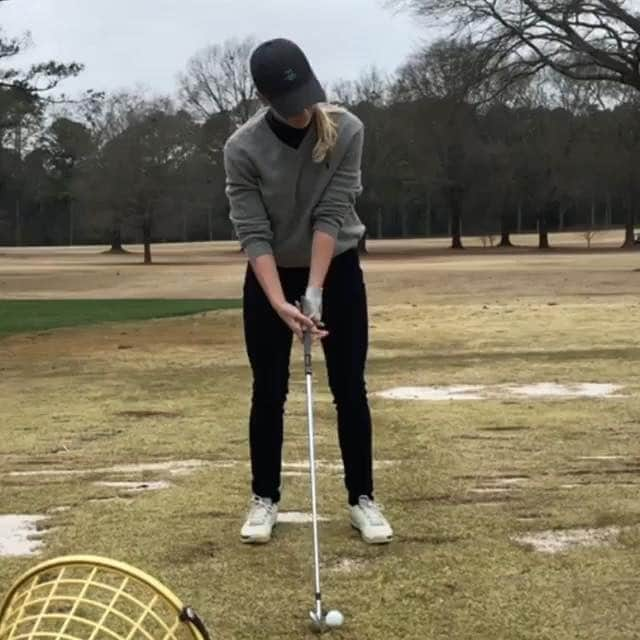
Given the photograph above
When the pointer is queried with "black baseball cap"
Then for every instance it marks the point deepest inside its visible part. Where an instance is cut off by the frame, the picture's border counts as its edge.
(283, 75)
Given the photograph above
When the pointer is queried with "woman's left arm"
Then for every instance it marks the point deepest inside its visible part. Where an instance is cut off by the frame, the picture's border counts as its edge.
(328, 216)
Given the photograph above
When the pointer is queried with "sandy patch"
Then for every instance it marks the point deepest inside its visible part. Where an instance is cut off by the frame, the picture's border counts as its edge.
(296, 517)
(516, 480)
(19, 535)
(542, 390)
(347, 565)
(173, 467)
(136, 487)
(564, 540)
(572, 390)
(60, 509)
(489, 490)
(434, 394)
(324, 465)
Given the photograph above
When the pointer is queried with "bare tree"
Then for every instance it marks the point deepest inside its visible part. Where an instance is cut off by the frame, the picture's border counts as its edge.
(589, 235)
(218, 80)
(582, 39)
(373, 86)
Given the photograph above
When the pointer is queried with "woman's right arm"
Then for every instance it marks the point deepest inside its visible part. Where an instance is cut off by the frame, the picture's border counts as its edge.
(253, 228)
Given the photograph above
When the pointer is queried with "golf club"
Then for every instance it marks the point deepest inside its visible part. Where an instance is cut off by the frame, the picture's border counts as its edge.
(320, 621)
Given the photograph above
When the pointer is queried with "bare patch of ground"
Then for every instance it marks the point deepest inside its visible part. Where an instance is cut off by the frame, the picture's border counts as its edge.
(297, 517)
(542, 390)
(173, 467)
(558, 541)
(135, 487)
(19, 535)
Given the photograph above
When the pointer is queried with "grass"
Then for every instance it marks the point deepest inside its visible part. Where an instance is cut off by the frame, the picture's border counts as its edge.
(22, 316)
(178, 389)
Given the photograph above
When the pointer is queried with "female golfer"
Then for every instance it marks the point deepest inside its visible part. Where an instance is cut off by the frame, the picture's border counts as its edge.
(293, 175)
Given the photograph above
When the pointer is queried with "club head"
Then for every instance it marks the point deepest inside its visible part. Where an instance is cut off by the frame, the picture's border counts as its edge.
(317, 624)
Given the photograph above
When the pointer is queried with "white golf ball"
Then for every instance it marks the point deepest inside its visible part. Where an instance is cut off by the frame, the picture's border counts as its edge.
(334, 618)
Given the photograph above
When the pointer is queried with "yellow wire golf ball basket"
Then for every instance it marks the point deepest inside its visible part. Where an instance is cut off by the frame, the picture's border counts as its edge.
(93, 598)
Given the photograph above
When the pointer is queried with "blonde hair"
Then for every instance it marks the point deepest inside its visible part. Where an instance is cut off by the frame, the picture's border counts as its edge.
(327, 129)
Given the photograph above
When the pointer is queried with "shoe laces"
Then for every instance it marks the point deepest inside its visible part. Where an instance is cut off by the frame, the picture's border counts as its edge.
(260, 510)
(372, 511)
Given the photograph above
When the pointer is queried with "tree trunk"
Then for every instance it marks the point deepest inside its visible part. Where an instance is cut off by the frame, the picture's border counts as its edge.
(210, 223)
(18, 224)
(561, 212)
(629, 228)
(70, 223)
(456, 231)
(429, 215)
(505, 240)
(608, 211)
(116, 238)
(456, 222)
(593, 212)
(519, 223)
(379, 227)
(543, 232)
(185, 225)
(146, 235)
(403, 220)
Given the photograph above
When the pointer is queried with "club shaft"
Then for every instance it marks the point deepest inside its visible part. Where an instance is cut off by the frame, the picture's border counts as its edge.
(314, 506)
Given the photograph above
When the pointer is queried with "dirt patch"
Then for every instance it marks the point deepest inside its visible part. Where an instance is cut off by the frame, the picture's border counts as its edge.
(346, 565)
(297, 517)
(528, 517)
(601, 458)
(489, 490)
(60, 509)
(147, 413)
(325, 465)
(542, 390)
(19, 535)
(434, 539)
(571, 390)
(136, 487)
(557, 541)
(510, 481)
(104, 499)
(173, 467)
(434, 394)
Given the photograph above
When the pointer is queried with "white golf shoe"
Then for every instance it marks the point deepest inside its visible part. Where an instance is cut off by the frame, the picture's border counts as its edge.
(260, 521)
(367, 518)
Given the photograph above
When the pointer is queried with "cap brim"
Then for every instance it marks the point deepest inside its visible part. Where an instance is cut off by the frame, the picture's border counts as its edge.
(296, 101)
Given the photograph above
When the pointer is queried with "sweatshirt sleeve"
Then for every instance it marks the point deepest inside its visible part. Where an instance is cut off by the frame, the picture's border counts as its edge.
(344, 187)
(247, 211)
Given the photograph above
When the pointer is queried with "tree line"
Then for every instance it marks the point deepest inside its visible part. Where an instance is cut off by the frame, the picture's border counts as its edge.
(486, 132)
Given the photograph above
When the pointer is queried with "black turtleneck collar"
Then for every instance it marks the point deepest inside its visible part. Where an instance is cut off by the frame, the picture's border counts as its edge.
(291, 136)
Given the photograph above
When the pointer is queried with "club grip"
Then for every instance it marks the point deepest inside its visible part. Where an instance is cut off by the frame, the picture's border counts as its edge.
(188, 615)
(307, 353)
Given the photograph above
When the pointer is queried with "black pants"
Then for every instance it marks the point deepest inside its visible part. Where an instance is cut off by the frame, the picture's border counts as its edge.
(269, 343)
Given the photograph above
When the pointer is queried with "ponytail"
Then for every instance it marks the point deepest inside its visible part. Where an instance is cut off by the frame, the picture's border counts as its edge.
(327, 130)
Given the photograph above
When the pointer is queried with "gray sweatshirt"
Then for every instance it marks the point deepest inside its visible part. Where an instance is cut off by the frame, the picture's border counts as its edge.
(279, 196)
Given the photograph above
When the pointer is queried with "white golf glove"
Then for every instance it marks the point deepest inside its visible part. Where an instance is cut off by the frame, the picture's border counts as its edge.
(312, 304)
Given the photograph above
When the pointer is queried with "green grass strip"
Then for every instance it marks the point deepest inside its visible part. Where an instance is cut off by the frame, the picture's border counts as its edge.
(25, 316)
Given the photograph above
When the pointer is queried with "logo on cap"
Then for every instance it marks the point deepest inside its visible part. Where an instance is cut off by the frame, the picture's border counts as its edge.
(290, 75)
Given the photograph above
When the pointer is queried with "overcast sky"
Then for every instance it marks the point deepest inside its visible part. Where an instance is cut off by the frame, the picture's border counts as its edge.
(127, 43)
